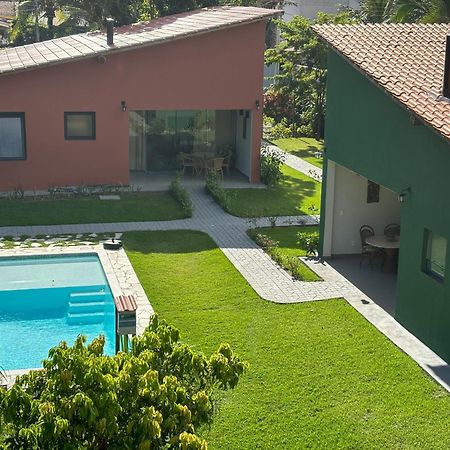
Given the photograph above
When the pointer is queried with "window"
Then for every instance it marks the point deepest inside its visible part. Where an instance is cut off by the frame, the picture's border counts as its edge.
(12, 136)
(79, 125)
(435, 254)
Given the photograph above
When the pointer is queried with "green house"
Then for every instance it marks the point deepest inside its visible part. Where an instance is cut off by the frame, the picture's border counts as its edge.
(388, 160)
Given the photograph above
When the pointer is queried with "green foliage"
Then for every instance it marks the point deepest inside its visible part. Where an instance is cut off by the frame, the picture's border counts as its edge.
(310, 242)
(214, 188)
(272, 161)
(298, 92)
(156, 396)
(181, 195)
(292, 264)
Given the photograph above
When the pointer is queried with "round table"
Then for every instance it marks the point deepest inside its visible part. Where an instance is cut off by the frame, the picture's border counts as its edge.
(390, 246)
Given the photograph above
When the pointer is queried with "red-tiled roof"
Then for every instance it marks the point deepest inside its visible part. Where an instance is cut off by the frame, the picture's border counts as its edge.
(129, 37)
(407, 60)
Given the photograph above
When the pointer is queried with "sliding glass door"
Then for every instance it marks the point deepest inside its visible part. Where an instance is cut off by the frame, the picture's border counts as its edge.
(157, 137)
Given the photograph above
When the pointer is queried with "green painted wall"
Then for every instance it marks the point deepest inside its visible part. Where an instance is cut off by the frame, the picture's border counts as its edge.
(369, 133)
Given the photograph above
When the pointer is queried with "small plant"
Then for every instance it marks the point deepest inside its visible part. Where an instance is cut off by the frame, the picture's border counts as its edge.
(273, 221)
(272, 160)
(181, 195)
(309, 241)
(214, 188)
(17, 193)
(291, 264)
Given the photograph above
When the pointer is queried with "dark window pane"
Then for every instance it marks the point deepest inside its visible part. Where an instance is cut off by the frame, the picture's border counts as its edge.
(12, 139)
(80, 125)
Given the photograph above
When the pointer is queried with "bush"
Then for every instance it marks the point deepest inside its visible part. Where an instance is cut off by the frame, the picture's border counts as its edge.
(215, 189)
(310, 242)
(291, 264)
(155, 396)
(181, 195)
(271, 162)
(279, 130)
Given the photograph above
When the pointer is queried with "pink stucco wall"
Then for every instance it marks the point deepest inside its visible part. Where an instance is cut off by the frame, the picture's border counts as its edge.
(218, 70)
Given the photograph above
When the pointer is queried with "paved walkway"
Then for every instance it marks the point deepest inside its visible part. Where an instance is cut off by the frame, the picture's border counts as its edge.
(266, 278)
(300, 164)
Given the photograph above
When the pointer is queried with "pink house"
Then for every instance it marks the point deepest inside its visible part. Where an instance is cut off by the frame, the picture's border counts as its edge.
(92, 108)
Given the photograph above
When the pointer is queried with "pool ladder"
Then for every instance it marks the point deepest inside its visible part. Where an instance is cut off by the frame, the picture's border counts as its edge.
(86, 308)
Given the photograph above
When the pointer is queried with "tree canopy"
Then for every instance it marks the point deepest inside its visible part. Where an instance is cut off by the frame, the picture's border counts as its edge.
(156, 396)
(298, 91)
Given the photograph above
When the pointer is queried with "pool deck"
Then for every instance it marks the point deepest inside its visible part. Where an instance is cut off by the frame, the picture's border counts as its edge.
(121, 276)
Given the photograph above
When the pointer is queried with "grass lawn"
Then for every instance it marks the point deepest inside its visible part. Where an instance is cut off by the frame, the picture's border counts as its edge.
(288, 246)
(293, 196)
(303, 148)
(320, 375)
(130, 208)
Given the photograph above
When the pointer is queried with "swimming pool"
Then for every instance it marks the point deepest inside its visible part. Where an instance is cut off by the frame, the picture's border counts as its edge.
(48, 299)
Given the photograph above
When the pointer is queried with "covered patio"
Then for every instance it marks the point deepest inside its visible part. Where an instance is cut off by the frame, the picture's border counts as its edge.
(378, 285)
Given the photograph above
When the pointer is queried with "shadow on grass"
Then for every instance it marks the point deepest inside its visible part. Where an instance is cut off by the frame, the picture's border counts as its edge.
(168, 242)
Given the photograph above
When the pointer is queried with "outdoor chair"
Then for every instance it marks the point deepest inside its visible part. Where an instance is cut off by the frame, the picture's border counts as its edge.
(215, 165)
(392, 230)
(226, 164)
(368, 251)
(187, 161)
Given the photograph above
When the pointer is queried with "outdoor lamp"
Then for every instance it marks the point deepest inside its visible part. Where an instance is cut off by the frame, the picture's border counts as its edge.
(258, 105)
(404, 195)
(123, 105)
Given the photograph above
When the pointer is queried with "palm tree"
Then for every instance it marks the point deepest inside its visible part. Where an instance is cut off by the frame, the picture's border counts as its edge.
(423, 11)
(377, 11)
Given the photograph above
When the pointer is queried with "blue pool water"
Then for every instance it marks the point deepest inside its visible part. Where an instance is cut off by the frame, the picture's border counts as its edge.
(46, 300)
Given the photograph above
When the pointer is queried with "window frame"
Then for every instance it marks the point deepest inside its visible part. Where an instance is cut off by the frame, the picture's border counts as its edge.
(92, 137)
(20, 115)
(425, 259)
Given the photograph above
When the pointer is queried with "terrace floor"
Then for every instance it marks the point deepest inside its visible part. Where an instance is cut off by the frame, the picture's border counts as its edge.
(160, 181)
(374, 283)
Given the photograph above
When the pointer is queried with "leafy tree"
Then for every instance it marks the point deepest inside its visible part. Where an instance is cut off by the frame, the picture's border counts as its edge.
(424, 11)
(156, 396)
(302, 59)
(377, 11)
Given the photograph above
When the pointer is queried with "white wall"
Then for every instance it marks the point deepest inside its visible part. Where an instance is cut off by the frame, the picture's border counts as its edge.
(349, 210)
(243, 146)
(310, 8)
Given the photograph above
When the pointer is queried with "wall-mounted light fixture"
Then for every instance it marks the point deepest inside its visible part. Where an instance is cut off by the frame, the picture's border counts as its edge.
(123, 105)
(258, 105)
(403, 196)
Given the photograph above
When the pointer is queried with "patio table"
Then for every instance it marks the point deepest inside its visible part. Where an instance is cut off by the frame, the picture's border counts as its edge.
(201, 159)
(390, 247)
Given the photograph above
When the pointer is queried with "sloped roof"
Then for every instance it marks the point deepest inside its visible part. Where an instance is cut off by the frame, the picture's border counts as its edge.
(129, 37)
(407, 60)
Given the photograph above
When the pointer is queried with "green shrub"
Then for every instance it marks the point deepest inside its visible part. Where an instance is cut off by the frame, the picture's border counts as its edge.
(215, 189)
(272, 161)
(310, 242)
(280, 130)
(292, 264)
(156, 396)
(181, 195)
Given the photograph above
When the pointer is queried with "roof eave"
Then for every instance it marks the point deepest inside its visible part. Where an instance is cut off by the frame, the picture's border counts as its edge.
(379, 86)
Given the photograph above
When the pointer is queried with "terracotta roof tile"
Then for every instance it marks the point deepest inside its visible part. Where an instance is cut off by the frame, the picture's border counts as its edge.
(407, 60)
(130, 37)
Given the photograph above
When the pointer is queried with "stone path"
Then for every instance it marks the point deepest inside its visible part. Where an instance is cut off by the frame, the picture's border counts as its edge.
(262, 273)
(300, 164)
